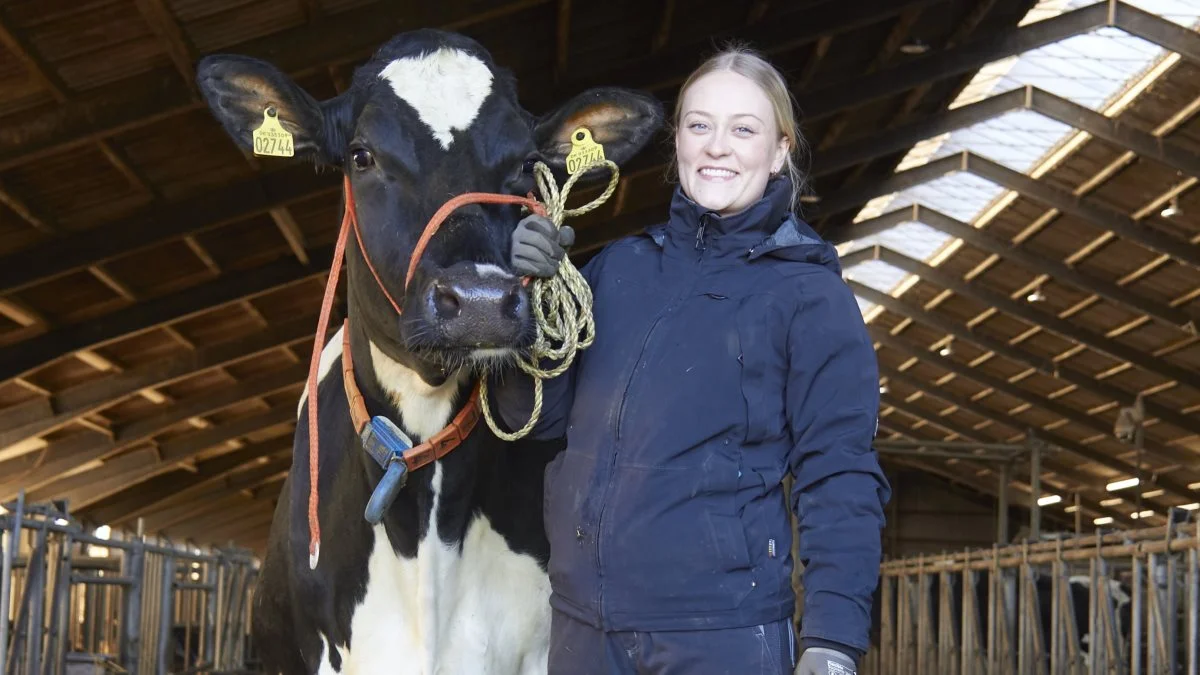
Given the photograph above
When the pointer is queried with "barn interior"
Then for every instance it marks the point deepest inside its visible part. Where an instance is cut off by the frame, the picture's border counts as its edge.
(1011, 185)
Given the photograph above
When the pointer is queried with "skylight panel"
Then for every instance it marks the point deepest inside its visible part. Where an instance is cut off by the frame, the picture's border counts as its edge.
(1091, 70)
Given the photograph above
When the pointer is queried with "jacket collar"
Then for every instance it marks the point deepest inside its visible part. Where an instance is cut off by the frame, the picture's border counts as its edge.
(765, 228)
(692, 228)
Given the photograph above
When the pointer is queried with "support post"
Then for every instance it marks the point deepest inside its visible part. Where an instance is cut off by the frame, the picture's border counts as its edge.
(131, 613)
(1035, 485)
(166, 609)
(10, 554)
(1002, 515)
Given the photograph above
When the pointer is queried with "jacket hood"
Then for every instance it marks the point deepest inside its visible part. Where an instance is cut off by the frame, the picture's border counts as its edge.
(768, 226)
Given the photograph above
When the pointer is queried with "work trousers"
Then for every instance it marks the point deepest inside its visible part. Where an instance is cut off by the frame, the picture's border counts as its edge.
(579, 649)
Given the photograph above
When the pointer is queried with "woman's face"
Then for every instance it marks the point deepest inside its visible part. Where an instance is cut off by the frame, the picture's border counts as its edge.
(728, 143)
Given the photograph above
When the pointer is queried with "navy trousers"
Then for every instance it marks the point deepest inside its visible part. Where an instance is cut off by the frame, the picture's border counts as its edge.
(579, 649)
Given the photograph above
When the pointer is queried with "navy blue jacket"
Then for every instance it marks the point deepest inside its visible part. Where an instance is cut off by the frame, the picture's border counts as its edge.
(728, 351)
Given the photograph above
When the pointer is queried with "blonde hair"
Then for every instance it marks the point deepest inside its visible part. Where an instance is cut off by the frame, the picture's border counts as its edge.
(750, 64)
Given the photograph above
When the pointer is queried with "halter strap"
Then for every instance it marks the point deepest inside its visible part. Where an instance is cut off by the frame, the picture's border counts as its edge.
(444, 441)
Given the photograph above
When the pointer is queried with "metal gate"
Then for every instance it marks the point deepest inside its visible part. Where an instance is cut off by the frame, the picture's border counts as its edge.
(73, 603)
(1123, 602)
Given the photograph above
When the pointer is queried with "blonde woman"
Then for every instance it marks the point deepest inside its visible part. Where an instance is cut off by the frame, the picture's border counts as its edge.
(728, 353)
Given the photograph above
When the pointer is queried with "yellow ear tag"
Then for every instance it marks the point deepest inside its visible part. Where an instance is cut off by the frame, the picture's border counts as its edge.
(270, 139)
(584, 151)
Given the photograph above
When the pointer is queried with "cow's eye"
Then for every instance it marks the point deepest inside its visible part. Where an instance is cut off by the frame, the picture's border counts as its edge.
(362, 158)
(528, 166)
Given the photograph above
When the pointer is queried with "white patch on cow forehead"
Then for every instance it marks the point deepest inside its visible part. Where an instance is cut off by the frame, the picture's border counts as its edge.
(446, 88)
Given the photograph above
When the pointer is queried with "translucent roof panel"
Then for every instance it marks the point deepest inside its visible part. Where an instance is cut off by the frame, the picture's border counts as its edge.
(1091, 69)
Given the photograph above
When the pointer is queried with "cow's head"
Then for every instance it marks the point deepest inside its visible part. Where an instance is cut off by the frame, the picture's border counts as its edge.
(430, 116)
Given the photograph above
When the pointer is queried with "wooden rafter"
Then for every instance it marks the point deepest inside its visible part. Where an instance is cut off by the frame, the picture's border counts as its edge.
(82, 450)
(41, 416)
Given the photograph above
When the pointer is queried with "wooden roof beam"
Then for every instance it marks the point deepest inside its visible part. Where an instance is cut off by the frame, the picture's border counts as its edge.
(562, 39)
(1179, 318)
(804, 26)
(139, 101)
(23, 357)
(1046, 367)
(1038, 190)
(1163, 452)
(1119, 133)
(196, 513)
(1025, 312)
(84, 450)
(970, 56)
(200, 513)
(162, 223)
(996, 417)
(235, 468)
(990, 487)
(233, 524)
(132, 469)
(40, 416)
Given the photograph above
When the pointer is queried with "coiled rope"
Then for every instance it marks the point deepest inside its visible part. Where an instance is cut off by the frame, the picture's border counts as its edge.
(562, 304)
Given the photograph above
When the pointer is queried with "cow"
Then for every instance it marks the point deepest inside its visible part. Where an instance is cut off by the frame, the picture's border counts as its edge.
(1116, 593)
(451, 577)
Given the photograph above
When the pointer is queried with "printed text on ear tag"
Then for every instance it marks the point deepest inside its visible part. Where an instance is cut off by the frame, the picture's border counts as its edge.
(584, 151)
(270, 139)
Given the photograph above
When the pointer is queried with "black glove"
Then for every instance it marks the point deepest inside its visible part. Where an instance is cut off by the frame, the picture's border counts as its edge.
(824, 661)
(537, 248)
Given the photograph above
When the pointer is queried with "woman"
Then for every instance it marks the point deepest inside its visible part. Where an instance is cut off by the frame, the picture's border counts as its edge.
(728, 352)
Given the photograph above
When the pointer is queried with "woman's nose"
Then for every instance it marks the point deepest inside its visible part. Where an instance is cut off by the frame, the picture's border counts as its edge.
(716, 145)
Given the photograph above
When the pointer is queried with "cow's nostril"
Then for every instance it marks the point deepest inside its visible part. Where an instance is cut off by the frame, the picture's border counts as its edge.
(446, 302)
(512, 306)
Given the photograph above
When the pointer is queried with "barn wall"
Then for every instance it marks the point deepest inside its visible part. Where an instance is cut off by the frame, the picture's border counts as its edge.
(928, 515)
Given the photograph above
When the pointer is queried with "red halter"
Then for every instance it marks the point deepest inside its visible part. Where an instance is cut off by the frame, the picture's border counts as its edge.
(446, 440)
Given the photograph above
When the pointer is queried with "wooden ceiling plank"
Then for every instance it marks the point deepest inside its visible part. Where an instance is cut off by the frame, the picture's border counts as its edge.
(21, 358)
(1177, 318)
(139, 101)
(84, 449)
(1046, 367)
(1024, 311)
(1100, 216)
(39, 417)
(1163, 452)
(161, 223)
(1166, 483)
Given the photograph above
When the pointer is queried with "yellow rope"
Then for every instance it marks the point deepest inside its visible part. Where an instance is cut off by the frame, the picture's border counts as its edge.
(562, 304)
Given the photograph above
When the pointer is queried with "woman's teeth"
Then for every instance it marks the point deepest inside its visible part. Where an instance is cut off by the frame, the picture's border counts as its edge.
(717, 173)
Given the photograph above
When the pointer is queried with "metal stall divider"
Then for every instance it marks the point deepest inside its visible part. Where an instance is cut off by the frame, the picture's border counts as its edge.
(1123, 602)
(73, 603)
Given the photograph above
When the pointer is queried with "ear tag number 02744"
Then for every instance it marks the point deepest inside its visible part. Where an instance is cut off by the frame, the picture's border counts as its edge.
(270, 139)
(584, 151)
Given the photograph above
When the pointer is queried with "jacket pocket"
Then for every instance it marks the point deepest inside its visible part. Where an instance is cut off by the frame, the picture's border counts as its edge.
(729, 541)
(764, 368)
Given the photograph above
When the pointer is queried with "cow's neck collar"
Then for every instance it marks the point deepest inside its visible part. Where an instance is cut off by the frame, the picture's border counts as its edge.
(389, 446)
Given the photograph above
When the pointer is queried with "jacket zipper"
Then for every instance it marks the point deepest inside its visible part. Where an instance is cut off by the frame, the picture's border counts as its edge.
(612, 465)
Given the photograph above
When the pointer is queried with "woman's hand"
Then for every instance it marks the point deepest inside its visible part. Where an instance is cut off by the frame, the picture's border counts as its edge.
(537, 248)
(824, 661)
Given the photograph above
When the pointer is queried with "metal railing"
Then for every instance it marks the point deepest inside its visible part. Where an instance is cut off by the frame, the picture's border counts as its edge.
(72, 602)
(1122, 602)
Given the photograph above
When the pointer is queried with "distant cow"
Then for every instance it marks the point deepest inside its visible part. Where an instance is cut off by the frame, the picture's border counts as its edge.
(1117, 594)
(452, 579)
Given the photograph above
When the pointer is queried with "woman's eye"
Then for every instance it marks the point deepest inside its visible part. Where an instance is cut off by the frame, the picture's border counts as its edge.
(362, 158)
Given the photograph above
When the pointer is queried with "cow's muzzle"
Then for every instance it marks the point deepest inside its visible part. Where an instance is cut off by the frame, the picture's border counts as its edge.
(471, 306)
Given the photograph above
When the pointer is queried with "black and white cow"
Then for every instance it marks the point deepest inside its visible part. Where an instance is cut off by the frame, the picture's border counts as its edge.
(1078, 590)
(452, 580)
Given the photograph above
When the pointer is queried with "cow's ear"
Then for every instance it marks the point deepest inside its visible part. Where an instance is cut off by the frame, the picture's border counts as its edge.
(622, 121)
(239, 90)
